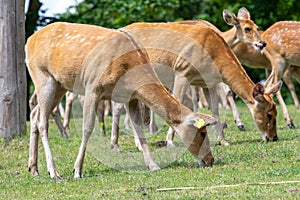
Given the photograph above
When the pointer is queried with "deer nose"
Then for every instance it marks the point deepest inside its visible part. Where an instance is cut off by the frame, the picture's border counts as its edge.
(263, 43)
(275, 138)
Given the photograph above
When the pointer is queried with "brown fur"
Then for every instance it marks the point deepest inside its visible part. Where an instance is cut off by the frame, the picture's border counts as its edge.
(165, 41)
(102, 64)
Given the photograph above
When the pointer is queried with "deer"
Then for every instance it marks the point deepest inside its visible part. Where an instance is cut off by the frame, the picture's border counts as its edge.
(244, 30)
(279, 56)
(203, 57)
(102, 64)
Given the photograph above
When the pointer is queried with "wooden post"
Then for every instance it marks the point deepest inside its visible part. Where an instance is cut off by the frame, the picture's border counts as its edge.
(12, 69)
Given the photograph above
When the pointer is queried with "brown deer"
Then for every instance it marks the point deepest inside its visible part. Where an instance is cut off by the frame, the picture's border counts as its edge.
(244, 30)
(254, 59)
(102, 64)
(201, 56)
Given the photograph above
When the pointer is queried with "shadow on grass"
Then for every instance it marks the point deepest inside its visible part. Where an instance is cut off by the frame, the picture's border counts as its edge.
(252, 141)
(249, 141)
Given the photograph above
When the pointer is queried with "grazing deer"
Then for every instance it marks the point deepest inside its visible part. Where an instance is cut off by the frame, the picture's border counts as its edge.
(102, 64)
(244, 31)
(201, 56)
(254, 59)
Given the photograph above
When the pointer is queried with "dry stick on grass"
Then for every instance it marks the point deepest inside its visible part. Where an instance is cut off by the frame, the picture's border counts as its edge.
(226, 186)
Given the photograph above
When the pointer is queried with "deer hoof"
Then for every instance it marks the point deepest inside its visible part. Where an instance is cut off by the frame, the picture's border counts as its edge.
(242, 128)
(77, 173)
(55, 175)
(170, 144)
(223, 142)
(114, 147)
(291, 125)
(33, 171)
(153, 167)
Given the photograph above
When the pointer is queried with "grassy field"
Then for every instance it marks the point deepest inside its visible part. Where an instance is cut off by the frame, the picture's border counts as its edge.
(247, 169)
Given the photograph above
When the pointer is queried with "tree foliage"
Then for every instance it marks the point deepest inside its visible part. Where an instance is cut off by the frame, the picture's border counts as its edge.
(118, 13)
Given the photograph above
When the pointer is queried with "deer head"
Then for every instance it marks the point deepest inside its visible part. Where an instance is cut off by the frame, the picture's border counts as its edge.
(264, 110)
(193, 132)
(247, 30)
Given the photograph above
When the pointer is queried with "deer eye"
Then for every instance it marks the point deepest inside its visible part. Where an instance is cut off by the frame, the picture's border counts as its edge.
(247, 29)
(269, 116)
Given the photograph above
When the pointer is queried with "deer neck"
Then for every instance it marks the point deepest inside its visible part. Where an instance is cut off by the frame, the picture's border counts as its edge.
(237, 79)
(230, 37)
(157, 98)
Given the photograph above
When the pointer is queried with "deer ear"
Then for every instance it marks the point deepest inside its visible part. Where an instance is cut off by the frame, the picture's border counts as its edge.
(243, 13)
(273, 89)
(258, 92)
(200, 120)
(230, 18)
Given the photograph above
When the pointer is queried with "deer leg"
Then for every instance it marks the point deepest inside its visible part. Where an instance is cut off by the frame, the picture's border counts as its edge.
(212, 97)
(152, 126)
(195, 98)
(170, 137)
(202, 98)
(222, 95)
(33, 101)
(49, 95)
(285, 111)
(288, 81)
(61, 109)
(136, 138)
(107, 106)
(279, 66)
(70, 98)
(33, 148)
(116, 113)
(127, 121)
(236, 116)
(56, 116)
(89, 115)
(100, 115)
(179, 90)
(135, 116)
(34, 135)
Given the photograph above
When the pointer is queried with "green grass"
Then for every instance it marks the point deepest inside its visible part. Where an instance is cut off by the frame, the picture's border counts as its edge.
(237, 171)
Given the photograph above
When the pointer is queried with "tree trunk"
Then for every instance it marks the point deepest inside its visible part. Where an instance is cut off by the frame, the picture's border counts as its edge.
(12, 69)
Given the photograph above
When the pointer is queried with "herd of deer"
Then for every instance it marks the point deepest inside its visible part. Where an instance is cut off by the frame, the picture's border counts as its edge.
(142, 62)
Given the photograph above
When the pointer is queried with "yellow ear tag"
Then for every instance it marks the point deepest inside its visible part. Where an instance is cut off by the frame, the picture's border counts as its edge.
(200, 123)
